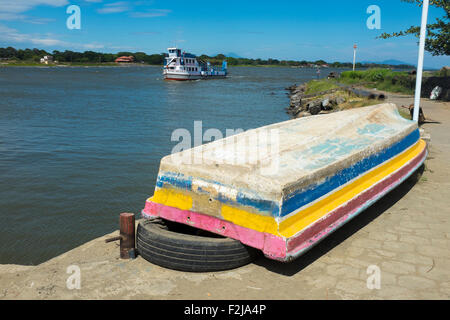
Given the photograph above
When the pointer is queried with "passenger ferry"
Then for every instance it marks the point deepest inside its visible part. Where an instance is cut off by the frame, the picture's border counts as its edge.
(185, 66)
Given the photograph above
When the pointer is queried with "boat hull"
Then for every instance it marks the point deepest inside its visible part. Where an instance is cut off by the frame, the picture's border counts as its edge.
(190, 77)
(181, 77)
(322, 182)
(287, 249)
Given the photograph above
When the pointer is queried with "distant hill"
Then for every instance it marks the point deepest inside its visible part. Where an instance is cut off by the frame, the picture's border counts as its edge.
(391, 62)
(229, 54)
(233, 55)
(394, 62)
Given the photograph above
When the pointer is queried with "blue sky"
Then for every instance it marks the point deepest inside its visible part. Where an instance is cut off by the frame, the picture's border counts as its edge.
(297, 30)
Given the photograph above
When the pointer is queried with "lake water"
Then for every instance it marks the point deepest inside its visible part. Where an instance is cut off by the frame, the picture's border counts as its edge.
(80, 145)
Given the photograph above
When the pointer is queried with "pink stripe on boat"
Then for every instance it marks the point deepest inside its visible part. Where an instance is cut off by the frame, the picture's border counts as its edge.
(274, 247)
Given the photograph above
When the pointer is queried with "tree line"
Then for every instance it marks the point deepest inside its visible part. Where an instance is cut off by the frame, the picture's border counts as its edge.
(68, 56)
(78, 57)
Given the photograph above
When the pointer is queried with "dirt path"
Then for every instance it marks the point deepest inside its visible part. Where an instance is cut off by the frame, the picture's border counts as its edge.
(406, 235)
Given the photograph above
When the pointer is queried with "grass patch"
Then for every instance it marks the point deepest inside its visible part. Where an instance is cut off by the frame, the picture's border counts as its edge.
(315, 86)
(22, 64)
(382, 79)
(352, 101)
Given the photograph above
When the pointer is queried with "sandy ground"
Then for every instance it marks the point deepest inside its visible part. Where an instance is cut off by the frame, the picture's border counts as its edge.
(406, 235)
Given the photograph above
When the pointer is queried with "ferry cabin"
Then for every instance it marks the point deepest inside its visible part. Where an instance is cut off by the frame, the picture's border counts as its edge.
(181, 66)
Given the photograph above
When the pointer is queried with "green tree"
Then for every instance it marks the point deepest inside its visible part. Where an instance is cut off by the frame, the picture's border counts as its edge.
(438, 33)
(220, 57)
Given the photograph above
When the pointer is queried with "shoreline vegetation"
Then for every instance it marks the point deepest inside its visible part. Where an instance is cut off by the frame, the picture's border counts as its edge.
(355, 89)
(31, 57)
(378, 78)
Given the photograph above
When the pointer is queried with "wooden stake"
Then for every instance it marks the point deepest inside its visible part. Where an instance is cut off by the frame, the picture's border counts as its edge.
(127, 234)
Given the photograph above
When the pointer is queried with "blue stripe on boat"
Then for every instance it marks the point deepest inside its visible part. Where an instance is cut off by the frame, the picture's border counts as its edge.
(297, 200)
(180, 181)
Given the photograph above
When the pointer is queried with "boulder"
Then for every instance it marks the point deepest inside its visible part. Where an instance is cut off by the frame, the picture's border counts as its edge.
(315, 109)
(328, 103)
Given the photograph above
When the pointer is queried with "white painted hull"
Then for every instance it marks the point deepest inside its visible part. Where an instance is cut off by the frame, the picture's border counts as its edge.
(181, 76)
(189, 76)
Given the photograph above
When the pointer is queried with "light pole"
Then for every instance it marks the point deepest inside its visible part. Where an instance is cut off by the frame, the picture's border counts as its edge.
(423, 33)
(354, 56)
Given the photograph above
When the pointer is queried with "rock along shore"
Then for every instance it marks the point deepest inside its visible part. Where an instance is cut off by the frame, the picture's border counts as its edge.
(303, 105)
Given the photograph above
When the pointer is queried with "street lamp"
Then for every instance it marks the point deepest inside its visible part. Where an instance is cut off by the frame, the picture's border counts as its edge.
(354, 56)
(423, 32)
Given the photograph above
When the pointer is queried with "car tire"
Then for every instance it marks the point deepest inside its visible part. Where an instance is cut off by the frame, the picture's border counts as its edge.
(181, 247)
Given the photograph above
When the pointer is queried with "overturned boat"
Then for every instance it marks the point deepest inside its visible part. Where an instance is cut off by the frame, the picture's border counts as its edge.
(285, 187)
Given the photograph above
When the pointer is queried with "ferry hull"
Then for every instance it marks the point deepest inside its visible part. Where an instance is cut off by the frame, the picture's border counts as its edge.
(181, 77)
(187, 77)
(322, 182)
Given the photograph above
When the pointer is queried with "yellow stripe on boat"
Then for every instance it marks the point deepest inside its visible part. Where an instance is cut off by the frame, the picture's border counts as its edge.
(302, 219)
(306, 217)
(250, 220)
(172, 198)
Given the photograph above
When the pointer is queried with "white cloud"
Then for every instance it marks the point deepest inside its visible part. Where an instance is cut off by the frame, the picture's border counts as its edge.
(18, 6)
(90, 46)
(12, 10)
(10, 16)
(151, 13)
(114, 7)
(12, 35)
(123, 6)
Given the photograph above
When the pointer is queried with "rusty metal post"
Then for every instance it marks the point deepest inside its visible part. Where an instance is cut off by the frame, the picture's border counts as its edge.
(127, 234)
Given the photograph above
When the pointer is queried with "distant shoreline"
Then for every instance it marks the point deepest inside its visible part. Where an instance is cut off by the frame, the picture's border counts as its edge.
(113, 64)
(64, 65)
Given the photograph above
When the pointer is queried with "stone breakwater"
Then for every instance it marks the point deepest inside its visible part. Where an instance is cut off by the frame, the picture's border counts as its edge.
(303, 105)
